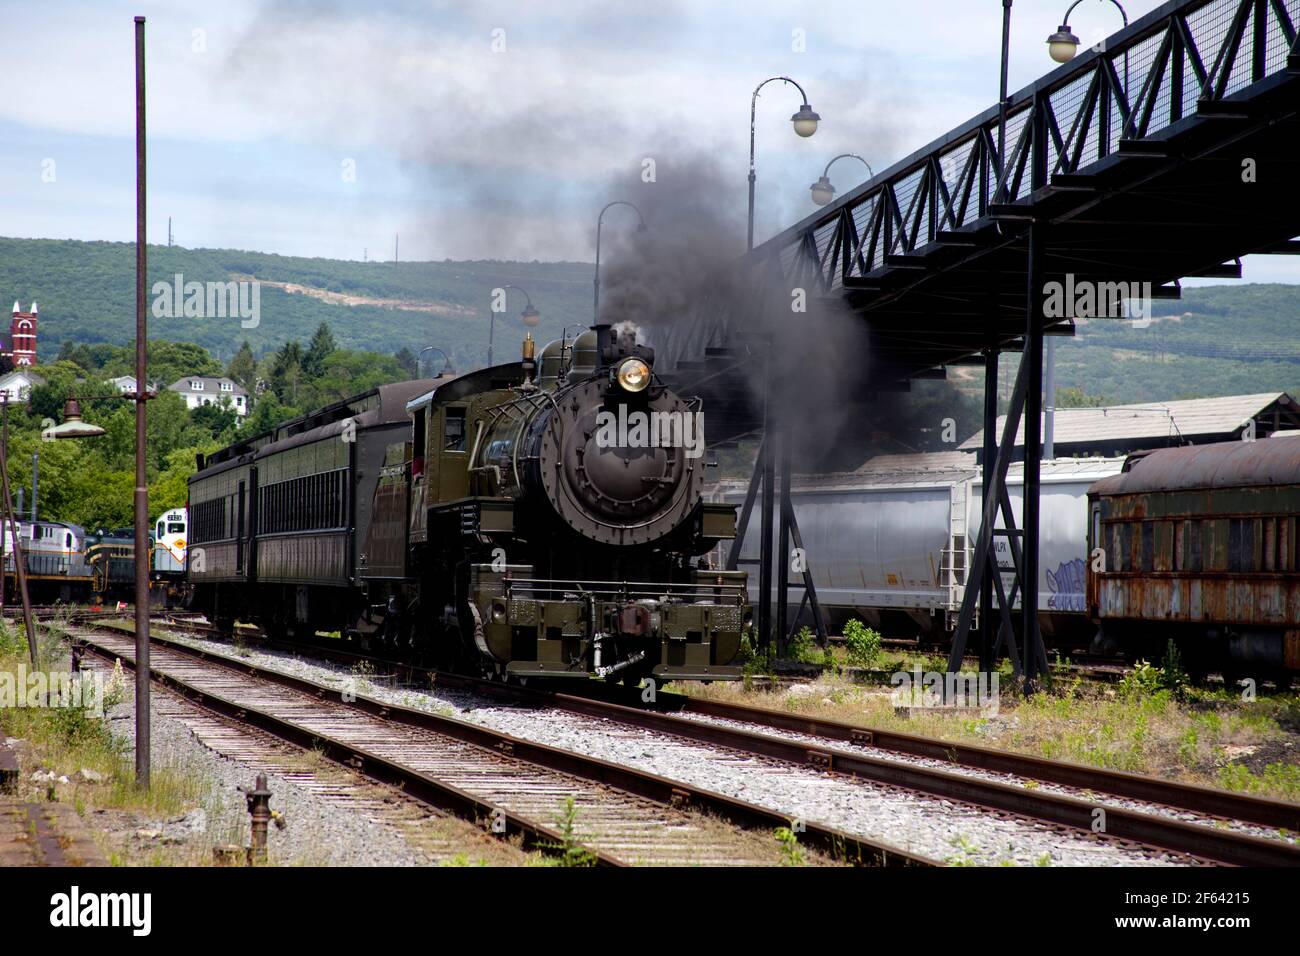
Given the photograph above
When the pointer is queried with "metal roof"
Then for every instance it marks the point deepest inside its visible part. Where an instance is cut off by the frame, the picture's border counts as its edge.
(930, 469)
(1232, 464)
(918, 461)
(1199, 417)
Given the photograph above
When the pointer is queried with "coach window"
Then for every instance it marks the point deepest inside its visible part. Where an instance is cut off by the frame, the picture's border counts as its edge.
(454, 431)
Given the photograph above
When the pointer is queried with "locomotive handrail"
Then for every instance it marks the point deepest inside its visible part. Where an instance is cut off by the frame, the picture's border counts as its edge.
(696, 590)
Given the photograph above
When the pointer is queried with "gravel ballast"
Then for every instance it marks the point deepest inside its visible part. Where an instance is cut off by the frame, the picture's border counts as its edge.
(922, 824)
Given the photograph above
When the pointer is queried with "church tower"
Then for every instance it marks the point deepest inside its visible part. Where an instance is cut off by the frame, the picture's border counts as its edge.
(22, 336)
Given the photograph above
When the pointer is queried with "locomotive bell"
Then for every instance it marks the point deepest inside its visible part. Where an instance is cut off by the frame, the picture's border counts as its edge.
(530, 366)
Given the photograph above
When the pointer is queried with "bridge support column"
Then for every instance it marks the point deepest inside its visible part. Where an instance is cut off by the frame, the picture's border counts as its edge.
(765, 531)
(1034, 657)
(783, 548)
(987, 633)
(985, 578)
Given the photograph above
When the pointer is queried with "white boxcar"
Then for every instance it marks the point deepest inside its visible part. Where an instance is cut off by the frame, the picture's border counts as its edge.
(892, 540)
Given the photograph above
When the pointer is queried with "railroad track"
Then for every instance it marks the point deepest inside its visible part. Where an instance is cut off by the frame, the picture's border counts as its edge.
(623, 815)
(951, 771)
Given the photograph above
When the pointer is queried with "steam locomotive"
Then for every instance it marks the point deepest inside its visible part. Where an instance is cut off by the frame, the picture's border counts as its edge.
(533, 519)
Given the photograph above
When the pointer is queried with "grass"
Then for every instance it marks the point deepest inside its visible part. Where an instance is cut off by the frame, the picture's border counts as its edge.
(67, 739)
(1151, 722)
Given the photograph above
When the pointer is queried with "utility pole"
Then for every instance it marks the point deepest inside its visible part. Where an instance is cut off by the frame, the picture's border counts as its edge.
(141, 397)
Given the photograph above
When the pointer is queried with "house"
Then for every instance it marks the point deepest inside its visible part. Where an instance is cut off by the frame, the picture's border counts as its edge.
(125, 385)
(16, 386)
(201, 390)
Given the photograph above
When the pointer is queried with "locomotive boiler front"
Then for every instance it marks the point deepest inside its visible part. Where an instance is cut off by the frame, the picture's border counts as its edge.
(614, 455)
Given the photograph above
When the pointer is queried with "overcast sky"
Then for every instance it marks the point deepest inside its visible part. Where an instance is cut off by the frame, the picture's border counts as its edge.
(483, 129)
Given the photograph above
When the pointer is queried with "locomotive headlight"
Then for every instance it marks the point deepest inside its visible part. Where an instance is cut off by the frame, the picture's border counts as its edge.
(633, 375)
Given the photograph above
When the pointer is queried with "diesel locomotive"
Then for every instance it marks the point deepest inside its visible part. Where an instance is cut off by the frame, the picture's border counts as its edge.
(542, 518)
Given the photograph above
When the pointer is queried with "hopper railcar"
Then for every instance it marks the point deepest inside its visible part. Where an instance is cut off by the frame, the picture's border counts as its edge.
(483, 521)
(891, 542)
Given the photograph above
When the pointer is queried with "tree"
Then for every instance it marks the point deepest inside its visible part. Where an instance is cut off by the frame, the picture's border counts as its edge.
(268, 413)
(1075, 397)
(286, 371)
(349, 373)
(321, 347)
(243, 368)
(218, 420)
(410, 364)
(62, 379)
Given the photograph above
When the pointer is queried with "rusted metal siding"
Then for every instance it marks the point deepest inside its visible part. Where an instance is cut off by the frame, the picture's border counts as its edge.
(1183, 544)
(1246, 600)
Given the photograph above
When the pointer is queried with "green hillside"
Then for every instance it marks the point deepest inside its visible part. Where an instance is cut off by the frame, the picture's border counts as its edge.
(86, 293)
(1221, 340)
(1214, 341)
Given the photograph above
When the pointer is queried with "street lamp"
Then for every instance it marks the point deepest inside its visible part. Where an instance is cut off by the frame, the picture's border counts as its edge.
(446, 360)
(530, 316)
(822, 190)
(805, 124)
(595, 303)
(1063, 45)
(72, 425)
(11, 530)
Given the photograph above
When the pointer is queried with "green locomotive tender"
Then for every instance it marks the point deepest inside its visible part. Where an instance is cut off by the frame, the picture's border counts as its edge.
(529, 519)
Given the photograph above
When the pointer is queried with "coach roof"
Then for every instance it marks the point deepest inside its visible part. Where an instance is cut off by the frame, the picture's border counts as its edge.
(1231, 464)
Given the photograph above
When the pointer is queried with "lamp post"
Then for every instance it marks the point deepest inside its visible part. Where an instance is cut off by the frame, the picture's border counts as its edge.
(530, 316)
(805, 124)
(595, 282)
(11, 530)
(1063, 45)
(446, 360)
(822, 190)
(1002, 96)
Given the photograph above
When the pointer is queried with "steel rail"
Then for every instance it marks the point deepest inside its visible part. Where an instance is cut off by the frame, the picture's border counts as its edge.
(838, 844)
(420, 786)
(1155, 831)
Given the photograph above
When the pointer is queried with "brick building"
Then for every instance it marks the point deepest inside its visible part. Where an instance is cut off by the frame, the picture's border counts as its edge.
(20, 345)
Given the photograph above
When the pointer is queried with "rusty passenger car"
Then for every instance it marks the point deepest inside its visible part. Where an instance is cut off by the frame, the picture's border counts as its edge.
(1198, 545)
